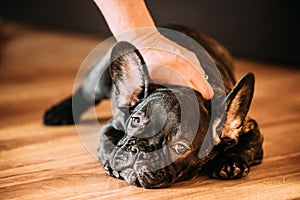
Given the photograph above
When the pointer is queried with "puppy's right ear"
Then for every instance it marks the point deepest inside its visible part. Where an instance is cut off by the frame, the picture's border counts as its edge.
(129, 74)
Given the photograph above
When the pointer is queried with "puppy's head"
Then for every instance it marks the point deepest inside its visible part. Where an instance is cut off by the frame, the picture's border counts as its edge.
(165, 126)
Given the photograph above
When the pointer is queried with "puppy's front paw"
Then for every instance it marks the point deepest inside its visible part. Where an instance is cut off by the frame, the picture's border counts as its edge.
(230, 167)
(60, 114)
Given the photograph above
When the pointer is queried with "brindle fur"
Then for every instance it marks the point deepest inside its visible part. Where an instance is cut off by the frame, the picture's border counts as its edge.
(128, 156)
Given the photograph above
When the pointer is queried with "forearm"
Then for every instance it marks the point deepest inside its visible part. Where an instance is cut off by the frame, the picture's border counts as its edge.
(125, 15)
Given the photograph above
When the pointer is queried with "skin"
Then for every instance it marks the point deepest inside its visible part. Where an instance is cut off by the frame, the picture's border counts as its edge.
(122, 16)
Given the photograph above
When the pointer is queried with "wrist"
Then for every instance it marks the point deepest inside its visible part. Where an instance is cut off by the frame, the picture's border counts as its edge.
(141, 37)
(122, 16)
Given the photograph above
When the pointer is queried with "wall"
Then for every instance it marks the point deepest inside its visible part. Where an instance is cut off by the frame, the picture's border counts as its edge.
(255, 29)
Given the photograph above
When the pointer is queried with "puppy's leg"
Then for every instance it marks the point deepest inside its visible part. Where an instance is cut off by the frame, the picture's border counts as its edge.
(63, 112)
(97, 85)
(236, 161)
(69, 110)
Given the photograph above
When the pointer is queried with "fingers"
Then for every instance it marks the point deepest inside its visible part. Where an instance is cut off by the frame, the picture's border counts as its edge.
(199, 77)
(158, 50)
(188, 65)
(194, 75)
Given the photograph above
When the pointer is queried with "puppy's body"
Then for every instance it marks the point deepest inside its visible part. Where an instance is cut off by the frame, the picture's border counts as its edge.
(164, 134)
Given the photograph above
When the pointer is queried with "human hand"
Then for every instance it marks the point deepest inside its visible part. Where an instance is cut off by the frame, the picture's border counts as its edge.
(168, 62)
(131, 21)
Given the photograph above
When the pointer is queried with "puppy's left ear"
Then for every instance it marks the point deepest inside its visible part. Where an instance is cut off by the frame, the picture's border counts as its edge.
(129, 74)
(238, 104)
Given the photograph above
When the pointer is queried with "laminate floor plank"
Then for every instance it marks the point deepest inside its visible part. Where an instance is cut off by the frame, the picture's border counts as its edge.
(38, 68)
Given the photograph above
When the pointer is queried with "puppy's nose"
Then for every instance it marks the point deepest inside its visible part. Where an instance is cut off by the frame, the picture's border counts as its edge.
(130, 148)
(134, 149)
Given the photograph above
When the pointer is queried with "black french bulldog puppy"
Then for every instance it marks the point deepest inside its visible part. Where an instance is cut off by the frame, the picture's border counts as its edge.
(162, 134)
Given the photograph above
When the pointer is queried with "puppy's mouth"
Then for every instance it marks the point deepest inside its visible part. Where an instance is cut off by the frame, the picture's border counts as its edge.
(143, 177)
(153, 179)
(140, 169)
(121, 166)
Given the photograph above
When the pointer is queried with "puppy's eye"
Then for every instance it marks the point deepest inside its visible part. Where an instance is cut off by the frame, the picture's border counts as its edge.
(135, 122)
(180, 148)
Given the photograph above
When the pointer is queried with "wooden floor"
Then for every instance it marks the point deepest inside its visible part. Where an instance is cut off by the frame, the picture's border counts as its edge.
(38, 68)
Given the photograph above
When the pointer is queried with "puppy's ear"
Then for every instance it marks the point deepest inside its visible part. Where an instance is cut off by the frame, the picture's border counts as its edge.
(129, 74)
(238, 104)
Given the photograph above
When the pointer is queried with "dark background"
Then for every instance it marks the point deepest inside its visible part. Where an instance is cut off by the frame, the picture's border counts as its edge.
(259, 29)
